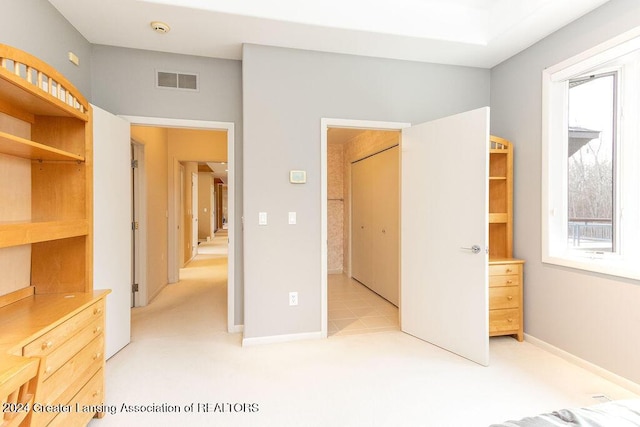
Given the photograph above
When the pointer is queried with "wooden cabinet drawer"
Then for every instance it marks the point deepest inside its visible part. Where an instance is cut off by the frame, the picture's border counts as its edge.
(43, 418)
(504, 320)
(90, 395)
(504, 297)
(504, 269)
(53, 339)
(511, 280)
(89, 358)
(57, 358)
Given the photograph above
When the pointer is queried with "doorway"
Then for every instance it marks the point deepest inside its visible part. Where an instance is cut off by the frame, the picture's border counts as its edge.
(443, 207)
(173, 212)
(350, 145)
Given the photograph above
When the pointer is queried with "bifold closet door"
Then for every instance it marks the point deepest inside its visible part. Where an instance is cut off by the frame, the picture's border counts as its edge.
(385, 263)
(374, 213)
(361, 221)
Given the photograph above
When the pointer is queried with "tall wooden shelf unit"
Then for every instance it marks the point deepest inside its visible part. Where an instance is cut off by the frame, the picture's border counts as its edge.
(49, 311)
(505, 272)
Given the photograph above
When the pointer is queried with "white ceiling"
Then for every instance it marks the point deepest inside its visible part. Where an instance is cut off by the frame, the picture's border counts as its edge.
(479, 33)
(219, 169)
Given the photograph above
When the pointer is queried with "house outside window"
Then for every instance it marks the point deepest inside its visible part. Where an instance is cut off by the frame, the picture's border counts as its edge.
(591, 159)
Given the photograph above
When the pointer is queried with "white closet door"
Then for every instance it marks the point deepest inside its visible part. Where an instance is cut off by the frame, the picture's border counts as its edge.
(444, 289)
(386, 201)
(361, 222)
(112, 223)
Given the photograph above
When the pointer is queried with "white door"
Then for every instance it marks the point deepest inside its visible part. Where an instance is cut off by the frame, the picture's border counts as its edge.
(444, 196)
(212, 214)
(194, 214)
(361, 219)
(112, 223)
(386, 209)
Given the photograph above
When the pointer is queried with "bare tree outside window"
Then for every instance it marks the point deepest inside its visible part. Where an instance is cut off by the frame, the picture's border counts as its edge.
(591, 163)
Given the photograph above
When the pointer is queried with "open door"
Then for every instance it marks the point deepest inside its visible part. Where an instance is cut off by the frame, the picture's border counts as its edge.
(112, 223)
(444, 233)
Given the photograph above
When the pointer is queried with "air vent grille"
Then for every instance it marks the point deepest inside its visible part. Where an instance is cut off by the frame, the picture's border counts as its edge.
(173, 80)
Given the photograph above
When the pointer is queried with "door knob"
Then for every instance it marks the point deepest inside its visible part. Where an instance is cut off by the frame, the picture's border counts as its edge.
(475, 249)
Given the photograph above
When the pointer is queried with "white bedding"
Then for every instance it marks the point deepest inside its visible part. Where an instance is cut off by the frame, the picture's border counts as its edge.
(622, 413)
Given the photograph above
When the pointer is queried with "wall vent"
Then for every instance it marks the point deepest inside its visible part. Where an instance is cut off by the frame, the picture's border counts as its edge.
(174, 80)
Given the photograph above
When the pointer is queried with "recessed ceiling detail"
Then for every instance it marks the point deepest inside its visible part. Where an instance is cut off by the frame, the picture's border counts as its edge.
(479, 33)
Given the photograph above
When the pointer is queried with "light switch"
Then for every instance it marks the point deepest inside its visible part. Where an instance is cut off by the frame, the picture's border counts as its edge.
(262, 218)
(292, 217)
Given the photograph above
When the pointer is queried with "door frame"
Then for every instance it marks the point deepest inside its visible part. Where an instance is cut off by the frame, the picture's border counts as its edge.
(172, 265)
(325, 124)
(140, 208)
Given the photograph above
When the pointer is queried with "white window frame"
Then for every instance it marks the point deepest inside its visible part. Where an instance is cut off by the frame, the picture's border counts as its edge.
(555, 80)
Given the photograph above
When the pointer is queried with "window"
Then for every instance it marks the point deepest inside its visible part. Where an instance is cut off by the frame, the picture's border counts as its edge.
(591, 178)
(591, 159)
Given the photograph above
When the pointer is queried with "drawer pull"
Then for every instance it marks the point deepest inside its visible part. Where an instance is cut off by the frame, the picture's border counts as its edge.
(509, 281)
(96, 356)
(510, 320)
(97, 330)
(48, 370)
(46, 345)
(509, 297)
(97, 310)
(96, 393)
(509, 270)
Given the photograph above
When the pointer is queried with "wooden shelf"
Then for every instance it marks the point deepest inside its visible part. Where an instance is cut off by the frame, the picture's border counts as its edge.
(498, 218)
(23, 98)
(24, 233)
(15, 146)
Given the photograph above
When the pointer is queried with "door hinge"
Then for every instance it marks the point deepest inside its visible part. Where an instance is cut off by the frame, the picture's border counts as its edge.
(134, 164)
(134, 287)
(135, 225)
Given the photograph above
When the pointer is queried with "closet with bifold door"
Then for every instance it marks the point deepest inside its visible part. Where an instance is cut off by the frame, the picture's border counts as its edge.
(375, 223)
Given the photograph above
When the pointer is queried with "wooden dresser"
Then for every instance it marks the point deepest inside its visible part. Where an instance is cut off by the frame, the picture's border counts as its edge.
(66, 333)
(505, 297)
(51, 318)
(505, 272)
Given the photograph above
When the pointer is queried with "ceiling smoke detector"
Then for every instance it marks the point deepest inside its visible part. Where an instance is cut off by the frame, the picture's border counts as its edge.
(160, 27)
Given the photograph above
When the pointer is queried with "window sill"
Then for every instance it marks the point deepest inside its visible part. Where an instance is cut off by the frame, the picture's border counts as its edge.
(595, 264)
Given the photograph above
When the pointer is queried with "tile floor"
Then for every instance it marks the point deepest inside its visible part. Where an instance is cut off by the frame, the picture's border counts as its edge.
(355, 309)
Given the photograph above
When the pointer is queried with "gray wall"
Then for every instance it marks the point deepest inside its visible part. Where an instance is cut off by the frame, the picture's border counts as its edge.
(592, 316)
(123, 82)
(286, 92)
(37, 27)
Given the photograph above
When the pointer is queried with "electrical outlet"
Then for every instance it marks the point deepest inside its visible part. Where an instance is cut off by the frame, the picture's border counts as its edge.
(293, 298)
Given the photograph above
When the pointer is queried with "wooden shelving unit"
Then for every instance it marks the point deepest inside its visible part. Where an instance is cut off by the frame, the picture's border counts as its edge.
(47, 302)
(505, 272)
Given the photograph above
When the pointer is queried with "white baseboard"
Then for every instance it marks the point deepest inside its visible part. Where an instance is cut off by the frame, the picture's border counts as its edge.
(234, 329)
(281, 338)
(608, 375)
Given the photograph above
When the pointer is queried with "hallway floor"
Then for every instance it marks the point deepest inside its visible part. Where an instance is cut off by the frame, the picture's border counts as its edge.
(182, 368)
(355, 309)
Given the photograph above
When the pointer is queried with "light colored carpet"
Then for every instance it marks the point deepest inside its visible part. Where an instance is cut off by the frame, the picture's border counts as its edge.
(180, 354)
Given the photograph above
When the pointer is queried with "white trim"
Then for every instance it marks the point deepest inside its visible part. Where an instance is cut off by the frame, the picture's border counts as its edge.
(554, 185)
(204, 124)
(275, 339)
(595, 369)
(235, 329)
(325, 123)
(597, 55)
